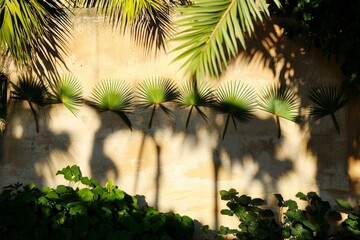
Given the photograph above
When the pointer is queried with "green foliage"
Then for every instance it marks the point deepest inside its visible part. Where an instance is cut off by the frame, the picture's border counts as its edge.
(328, 100)
(68, 91)
(114, 96)
(331, 25)
(281, 102)
(311, 223)
(255, 222)
(213, 30)
(93, 212)
(34, 32)
(153, 92)
(193, 96)
(149, 22)
(237, 100)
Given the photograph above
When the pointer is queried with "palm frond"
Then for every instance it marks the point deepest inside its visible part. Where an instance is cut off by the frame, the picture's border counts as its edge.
(156, 91)
(34, 33)
(69, 92)
(149, 21)
(193, 96)
(237, 100)
(281, 102)
(115, 96)
(213, 32)
(328, 99)
(33, 91)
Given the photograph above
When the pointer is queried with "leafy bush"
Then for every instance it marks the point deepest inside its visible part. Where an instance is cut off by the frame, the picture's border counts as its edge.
(92, 212)
(312, 222)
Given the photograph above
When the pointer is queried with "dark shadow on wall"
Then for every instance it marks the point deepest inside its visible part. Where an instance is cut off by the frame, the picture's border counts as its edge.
(20, 139)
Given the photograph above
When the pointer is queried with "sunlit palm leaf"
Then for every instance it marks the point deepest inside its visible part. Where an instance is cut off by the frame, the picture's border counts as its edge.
(237, 100)
(328, 100)
(148, 20)
(193, 96)
(114, 96)
(69, 92)
(32, 91)
(281, 102)
(34, 33)
(153, 92)
(213, 31)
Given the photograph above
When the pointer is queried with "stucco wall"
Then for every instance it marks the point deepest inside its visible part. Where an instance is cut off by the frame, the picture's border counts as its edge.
(178, 169)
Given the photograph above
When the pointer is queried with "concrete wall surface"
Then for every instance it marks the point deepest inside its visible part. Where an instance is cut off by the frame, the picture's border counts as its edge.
(183, 169)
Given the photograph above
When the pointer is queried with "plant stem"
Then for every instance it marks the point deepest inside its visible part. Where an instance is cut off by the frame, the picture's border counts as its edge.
(278, 126)
(152, 116)
(226, 125)
(335, 122)
(188, 118)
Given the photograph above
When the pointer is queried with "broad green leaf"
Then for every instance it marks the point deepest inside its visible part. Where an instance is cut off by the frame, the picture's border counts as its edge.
(85, 195)
(227, 212)
(344, 204)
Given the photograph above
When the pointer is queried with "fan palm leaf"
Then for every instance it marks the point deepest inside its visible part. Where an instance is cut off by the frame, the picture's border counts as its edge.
(193, 96)
(237, 100)
(281, 102)
(148, 20)
(69, 92)
(156, 91)
(34, 32)
(33, 91)
(114, 96)
(328, 99)
(213, 31)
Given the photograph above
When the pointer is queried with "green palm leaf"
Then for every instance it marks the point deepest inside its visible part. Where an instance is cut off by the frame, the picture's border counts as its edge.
(237, 100)
(281, 102)
(193, 96)
(33, 91)
(69, 92)
(328, 100)
(148, 20)
(156, 91)
(114, 96)
(213, 31)
(34, 32)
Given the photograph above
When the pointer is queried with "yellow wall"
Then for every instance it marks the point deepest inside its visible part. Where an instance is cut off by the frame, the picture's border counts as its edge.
(178, 169)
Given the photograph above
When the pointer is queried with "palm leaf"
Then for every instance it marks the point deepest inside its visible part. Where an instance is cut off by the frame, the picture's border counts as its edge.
(33, 91)
(149, 21)
(193, 96)
(156, 91)
(328, 99)
(237, 100)
(281, 102)
(114, 96)
(213, 31)
(34, 33)
(69, 92)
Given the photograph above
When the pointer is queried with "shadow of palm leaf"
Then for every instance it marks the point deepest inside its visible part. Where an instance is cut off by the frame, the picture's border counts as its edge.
(328, 100)
(156, 91)
(33, 91)
(114, 96)
(281, 102)
(237, 100)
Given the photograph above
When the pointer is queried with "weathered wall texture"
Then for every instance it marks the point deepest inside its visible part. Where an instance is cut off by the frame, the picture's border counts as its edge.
(178, 169)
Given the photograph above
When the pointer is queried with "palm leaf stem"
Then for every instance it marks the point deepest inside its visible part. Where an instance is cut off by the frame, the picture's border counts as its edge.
(335, 122)
(188, 117)
(35, 116)
(152, 116)
(226, 126)
(278, 126)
